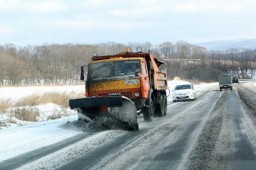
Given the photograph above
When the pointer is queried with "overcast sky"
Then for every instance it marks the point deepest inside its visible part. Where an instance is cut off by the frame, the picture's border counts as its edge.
(36, 22)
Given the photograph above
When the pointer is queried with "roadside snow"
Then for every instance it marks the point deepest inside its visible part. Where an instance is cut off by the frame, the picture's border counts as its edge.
(250, 85)
(44, 112)
(16, 93)
(18, 140)
(54, 160)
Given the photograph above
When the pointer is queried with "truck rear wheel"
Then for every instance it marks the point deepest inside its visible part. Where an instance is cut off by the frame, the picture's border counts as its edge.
(165, 104)
(161, 106)
(148, 111)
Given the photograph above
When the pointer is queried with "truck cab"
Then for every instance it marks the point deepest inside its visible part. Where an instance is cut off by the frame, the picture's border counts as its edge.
(119, 76)
(120, 82)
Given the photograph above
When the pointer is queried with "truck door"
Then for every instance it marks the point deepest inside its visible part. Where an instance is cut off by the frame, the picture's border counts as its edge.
(145, 82)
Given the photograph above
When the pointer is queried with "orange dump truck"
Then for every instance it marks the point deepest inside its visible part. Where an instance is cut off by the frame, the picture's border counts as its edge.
(122, 86)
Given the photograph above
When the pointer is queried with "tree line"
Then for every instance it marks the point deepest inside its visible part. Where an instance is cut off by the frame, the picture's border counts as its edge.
(60, 64)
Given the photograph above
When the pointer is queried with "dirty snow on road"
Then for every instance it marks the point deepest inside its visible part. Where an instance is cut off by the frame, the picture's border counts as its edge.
(18, 140)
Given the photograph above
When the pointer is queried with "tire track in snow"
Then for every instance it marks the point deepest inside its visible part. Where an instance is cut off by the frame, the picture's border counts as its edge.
(137, 154)
(90, 160)
(199, 155)
(25, 158)
(227, 140)
(73, 151)
(47, 155)
(244, 154)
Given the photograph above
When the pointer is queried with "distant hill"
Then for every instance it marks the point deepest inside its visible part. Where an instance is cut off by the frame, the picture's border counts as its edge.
(225, 45)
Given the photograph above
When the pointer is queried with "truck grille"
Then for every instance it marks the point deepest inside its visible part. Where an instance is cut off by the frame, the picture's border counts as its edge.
(126, 94)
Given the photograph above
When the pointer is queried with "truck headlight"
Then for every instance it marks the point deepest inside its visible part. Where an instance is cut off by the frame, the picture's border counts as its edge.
(136, 94)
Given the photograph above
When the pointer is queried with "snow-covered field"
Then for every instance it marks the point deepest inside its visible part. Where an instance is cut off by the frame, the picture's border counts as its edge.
(16, 93)
(43, 111)
(35, 135)
(250, 85)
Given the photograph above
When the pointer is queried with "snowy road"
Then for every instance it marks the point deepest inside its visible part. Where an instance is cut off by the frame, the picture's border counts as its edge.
(214, 132)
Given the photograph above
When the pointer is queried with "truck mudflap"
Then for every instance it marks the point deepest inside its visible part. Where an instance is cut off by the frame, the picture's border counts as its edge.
(119, 108)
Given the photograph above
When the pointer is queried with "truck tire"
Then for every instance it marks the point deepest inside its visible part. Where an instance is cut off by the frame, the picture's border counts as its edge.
(148, 110)
(161, 106)
(165, 104)
(159, 109)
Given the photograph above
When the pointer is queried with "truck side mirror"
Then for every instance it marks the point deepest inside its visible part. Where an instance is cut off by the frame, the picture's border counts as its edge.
(82, 73)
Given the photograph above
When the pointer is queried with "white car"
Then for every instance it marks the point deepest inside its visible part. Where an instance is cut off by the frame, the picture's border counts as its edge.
(183, 92)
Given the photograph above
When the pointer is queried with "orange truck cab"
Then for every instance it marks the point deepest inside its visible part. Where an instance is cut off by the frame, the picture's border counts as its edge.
(139, 77)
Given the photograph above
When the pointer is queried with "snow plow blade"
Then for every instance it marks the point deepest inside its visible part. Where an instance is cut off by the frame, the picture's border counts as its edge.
(111, 101)
(119, 108)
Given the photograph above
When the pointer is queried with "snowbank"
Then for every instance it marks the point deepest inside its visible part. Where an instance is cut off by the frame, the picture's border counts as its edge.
(16, 93)
(25, 115)
(17, 140)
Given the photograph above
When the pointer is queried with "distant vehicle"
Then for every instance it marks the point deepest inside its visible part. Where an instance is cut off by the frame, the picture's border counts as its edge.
(225, 82)
(184, 92)
(235, 80)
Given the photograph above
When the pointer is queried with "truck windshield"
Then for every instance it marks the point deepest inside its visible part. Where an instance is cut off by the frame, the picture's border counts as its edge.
(113, 69)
